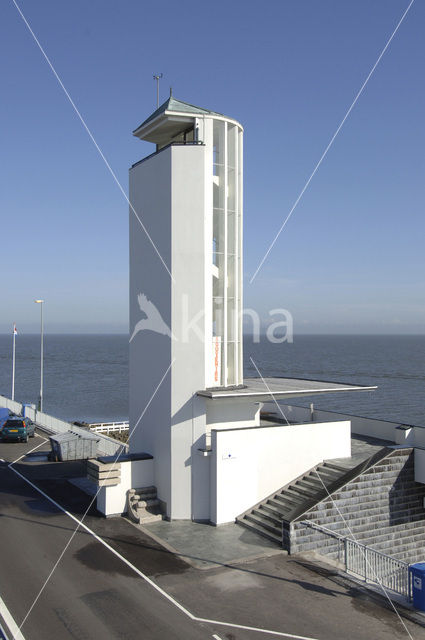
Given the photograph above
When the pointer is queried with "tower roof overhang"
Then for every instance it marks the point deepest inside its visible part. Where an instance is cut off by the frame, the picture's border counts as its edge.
(170, 119)
(264, 389)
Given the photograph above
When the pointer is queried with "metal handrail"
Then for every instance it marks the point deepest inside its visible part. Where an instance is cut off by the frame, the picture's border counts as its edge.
(370, 564)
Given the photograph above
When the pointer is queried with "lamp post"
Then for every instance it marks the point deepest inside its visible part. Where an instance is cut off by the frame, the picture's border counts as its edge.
(40, 302)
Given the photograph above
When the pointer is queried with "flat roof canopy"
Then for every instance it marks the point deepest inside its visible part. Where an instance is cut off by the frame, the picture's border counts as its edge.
(279, 388)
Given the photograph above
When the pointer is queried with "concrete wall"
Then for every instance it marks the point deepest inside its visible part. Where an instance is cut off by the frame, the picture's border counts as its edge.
(363, 426)
(249, 464)
(150, 351)
(168, 192)
(420, 465)
(134, 474)
(231, 414)
(188, 304)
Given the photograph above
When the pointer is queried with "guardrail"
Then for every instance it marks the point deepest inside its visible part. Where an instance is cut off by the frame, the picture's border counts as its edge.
(370, 565)
(107, 446)
(7, 403)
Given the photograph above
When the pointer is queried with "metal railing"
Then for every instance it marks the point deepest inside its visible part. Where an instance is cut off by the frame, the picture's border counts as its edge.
(374, 566)
(368, 564)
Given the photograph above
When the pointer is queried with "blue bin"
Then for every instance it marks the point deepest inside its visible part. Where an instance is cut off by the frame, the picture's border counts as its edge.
(417, 572)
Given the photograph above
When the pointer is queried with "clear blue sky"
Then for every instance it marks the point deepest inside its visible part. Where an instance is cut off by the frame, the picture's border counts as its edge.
(352, 257)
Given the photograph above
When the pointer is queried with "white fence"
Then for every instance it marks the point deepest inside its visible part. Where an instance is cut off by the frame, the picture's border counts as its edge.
(108, 427)
(107, 446)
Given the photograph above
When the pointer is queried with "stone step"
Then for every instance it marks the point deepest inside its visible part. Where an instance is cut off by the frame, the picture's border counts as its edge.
(331, 469)
(373, 493)
(336, 467)
(406, 548)
(382, 542)
(143, 505)
(265, 524)
(396, 538)
(289, 497)
(298, 490)
(313, 481)
(150, 517)
(393, 459)
(153, 502)
(410, 555)
(281, 505)
(369, 531)
(278, 512)
(257, 528)
(327, 476)
(264, 513)
(373, 518)
(412, 500)
(150, 489)
(146, 495)
(311, 485)
(329, 509)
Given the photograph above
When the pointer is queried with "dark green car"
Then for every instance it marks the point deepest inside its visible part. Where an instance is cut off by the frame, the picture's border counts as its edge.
(19, 429)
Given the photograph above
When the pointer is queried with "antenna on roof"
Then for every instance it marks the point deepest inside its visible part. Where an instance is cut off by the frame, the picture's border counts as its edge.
(157, 77)
(171, 92)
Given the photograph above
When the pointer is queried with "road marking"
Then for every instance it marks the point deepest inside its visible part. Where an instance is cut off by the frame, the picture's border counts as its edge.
(145, 577)
(105, 544)
(11, 624)
(28, 452)
(216, 637)
(281, 634)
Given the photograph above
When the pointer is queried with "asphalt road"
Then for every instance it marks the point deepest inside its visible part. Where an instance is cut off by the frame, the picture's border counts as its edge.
(93, 593)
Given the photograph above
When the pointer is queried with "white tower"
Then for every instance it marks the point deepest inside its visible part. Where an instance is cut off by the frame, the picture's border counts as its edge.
(185, 292)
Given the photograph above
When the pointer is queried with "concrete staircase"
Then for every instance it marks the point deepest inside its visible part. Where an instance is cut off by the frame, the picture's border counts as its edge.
(266, 517)
(382, 507)
(143, 505)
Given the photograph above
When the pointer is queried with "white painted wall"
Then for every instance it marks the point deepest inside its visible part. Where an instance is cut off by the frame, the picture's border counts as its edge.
(189, 268)
(168, 192)
(200, 464)
(249, 464)
(420, 465)
(150, 352)
(418, 437)
(228, 413)
(134, 474)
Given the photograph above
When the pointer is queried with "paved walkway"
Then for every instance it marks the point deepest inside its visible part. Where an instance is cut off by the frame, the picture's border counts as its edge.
(204, 546)
(362, 448)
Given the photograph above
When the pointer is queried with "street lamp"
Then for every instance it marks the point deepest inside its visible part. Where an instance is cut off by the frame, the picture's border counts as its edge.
(40, 405)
